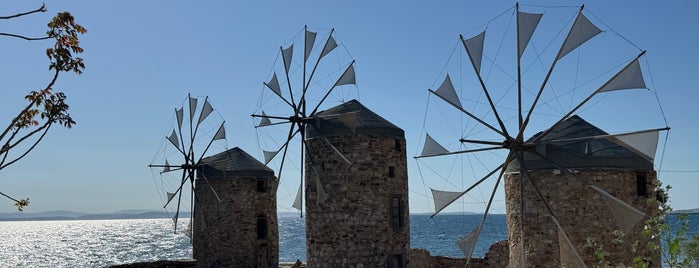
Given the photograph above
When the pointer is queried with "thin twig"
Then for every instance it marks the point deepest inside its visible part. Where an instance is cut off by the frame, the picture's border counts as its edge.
(40, 9)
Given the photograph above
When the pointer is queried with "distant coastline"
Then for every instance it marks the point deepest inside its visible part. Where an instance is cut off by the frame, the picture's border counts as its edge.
(62, 215)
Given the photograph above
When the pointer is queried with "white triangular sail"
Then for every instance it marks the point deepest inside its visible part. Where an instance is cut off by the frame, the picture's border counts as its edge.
(628, 78)
(192, 108)
(173, 139)
(447, 92)
(474, 47)
(569, 255)
(269, 155)
(167, 167)
(443, 198)
(298, 201)
(220, 133)
(626, 215)
(287, 55)
(179, 113)
(170, 196)
(526, 23)
(310, 39)
(347, 77)
(645, 143)
(581, 31)
(329, 46)
(273, 84)
(468, 242)
(432, 147)
(264, 121)
(205, 111)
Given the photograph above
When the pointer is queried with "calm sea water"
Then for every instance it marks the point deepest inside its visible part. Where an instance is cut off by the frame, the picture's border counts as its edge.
(97, 243)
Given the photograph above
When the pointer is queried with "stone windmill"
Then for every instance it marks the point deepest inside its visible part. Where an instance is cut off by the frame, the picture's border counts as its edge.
(353, 163)
(568, 183)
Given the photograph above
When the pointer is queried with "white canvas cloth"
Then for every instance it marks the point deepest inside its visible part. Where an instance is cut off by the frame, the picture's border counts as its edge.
(626, 215)
(310, 40)
(468, 242)
(526, 23)
(347, 77)
(329, 46)
(581, 31)
(298, 201)
(474, 47)
(447, 92)
(205, 111)
(287, 55)
(628, 78)
(269, 155)
(273, 85)
(179, 113)
(443, 198)
(569, 255)
(432, 147)
(264, 121)
(173, 139)
(167, 167)
(192, 108)
(220, 133)
(645, 143)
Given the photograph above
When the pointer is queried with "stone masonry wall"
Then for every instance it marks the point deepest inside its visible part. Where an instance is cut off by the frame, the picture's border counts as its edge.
(496, 257)
(581, 211)
(225, 233)
(353, 227)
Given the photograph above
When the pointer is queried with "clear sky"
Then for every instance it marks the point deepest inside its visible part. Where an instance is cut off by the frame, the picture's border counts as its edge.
(143, 57)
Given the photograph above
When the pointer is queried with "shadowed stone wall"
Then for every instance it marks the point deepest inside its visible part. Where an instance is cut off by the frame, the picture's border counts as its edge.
(582, 212)
(364, 222)
(242, 230)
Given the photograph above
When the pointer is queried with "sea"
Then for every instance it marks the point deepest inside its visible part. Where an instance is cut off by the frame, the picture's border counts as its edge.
(99, 243)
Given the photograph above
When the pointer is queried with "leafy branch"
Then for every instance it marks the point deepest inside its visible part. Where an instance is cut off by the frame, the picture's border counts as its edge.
(45, 107)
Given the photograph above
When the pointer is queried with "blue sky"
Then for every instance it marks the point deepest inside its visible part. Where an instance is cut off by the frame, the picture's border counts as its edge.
(143, 57)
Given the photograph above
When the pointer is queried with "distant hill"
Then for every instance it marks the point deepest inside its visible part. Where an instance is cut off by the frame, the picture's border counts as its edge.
(71, 215)
(686, 211)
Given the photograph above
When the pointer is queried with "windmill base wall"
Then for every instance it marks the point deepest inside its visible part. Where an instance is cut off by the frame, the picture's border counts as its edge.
(496, 257)
(225, 233)
(583, 214)
(353, 227)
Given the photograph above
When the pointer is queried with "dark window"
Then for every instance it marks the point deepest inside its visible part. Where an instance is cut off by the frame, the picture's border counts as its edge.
(261, 227)
(396, 212)
(395, 261)
(398, 145)
(261, 185)
(391, 172)
(642, 185)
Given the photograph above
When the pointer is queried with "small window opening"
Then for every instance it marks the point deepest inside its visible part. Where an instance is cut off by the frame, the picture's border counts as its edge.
(391, 172)
(261, 185)
(261, 227)
(395, 261)
(642, 185)
(398, 145)
(396, 213)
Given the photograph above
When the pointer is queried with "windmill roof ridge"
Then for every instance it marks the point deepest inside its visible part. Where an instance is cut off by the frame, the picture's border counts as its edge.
(334, 121)
(573, 143)
(234, 161)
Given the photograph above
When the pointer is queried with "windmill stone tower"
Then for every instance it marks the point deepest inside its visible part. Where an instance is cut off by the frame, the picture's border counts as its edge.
(241, 229)
(584, 213)
(356, 190)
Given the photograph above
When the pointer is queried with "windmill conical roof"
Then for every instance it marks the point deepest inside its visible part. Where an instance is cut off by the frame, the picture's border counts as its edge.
(333, 122)
(582, 152)
(234, 162)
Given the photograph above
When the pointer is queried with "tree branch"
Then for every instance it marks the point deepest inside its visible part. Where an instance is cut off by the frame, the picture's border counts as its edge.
(7, 147)
(46, 130)
(26, 38)
(40, 9)
(29, 106)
